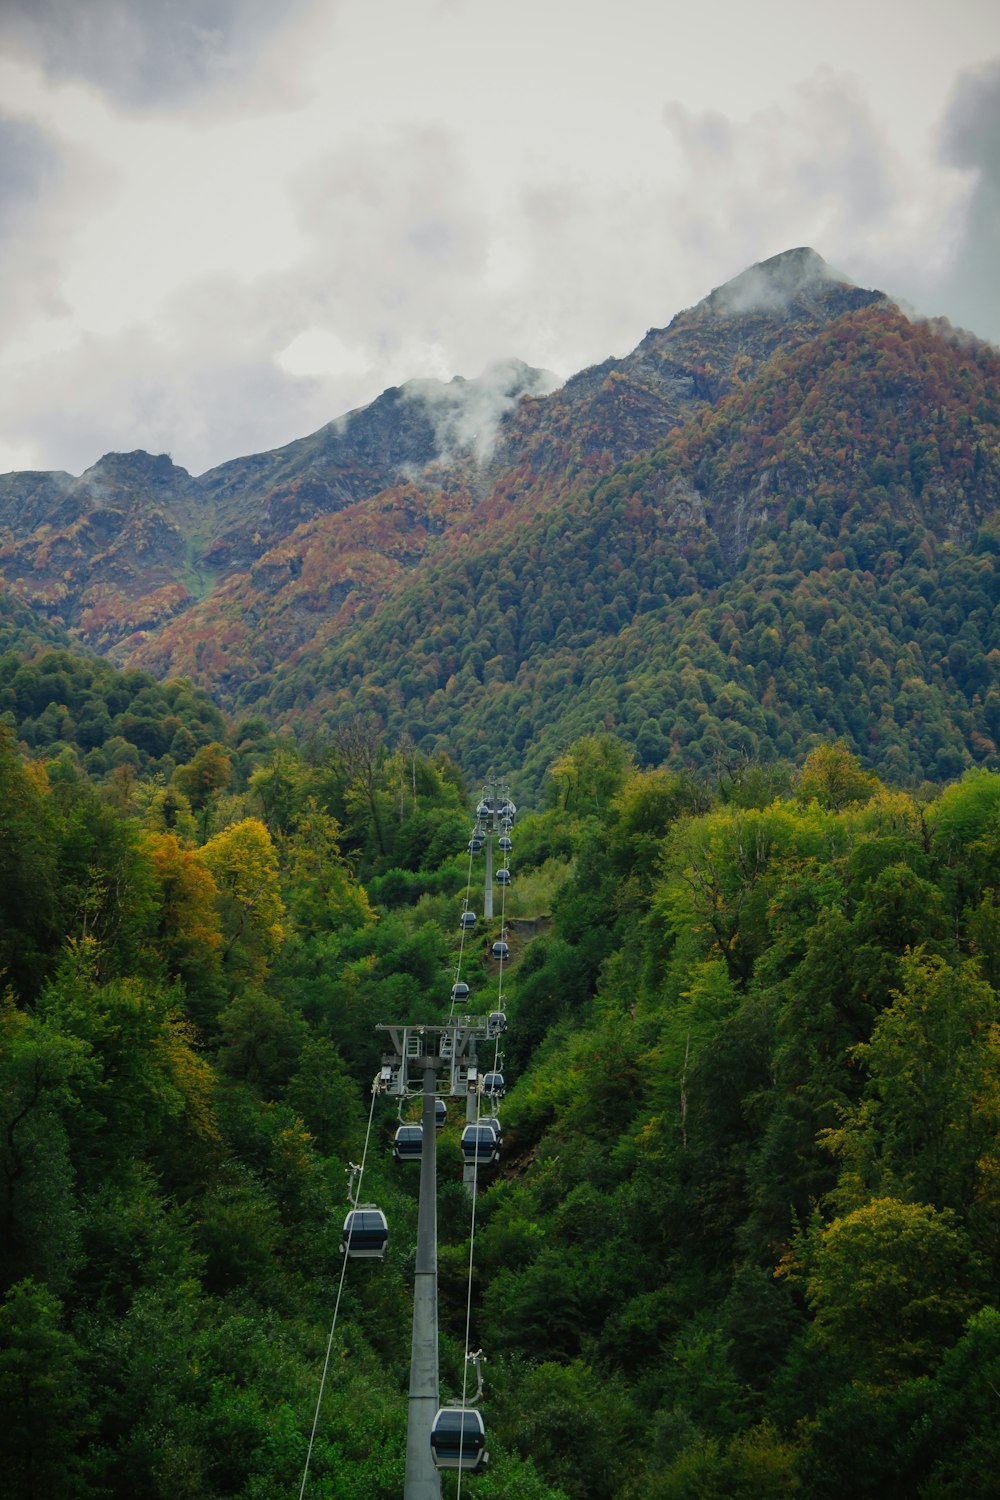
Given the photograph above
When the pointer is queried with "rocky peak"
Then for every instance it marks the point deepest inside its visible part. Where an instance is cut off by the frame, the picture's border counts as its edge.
(795, 281)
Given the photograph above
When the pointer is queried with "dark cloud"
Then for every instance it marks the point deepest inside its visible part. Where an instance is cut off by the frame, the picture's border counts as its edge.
(144, 53)
(971, 140)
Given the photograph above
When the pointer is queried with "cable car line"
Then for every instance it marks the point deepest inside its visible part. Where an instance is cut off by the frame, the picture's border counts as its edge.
(462, 922)
(340, 1290)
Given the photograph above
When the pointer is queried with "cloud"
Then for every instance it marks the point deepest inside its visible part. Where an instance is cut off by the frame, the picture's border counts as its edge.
(44, 184)
(135, 390)
(408, 260)
(466, 414)
(29, 162)
(818, 172)
(970, 141)
(146, 53)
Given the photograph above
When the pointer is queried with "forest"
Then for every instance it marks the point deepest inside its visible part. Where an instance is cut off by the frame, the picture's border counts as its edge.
(742, 1239)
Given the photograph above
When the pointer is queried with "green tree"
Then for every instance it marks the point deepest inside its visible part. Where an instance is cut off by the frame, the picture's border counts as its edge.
(890, 1286)
(43, 1398)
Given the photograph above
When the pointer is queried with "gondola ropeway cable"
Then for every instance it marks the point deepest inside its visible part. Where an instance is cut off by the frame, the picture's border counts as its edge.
(336, 1308)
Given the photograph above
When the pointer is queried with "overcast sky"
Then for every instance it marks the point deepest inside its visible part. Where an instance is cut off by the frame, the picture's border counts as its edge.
(224, 222)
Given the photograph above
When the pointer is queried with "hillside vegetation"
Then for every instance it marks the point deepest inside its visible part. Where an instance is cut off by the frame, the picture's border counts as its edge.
(743, 1236)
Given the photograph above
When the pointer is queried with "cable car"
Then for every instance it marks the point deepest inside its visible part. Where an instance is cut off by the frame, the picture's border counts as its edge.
(458, 1439)
(366, 1234)
(508, 810)
(504, 844)
(501, 950)
(481, 1143)
(459, 993)
(496, 1022)
(493, 1085)
(483, 810)
(408, 1144)
(502, 877)
(467, 920)
(475, 844)
(440, 1113)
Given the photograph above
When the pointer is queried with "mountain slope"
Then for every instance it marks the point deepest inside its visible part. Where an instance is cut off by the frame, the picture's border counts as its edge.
(845, 498)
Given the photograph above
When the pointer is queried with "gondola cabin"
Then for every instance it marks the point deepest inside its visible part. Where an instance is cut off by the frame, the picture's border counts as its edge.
(481, 1144)
(475, 844)
(440, 1113)
(408, 1144)
(500, 949)
(366, 1234)
(458, 1439)
(467, 920)
(503, 877)
(483, 810)
(504, 844)
(493, 1085)
(496, 1022)
(460, 993)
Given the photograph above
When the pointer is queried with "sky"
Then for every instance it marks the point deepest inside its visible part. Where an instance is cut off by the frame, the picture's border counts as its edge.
(225, 222)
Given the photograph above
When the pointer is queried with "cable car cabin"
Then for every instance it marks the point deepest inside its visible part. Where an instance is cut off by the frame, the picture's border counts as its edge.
(366, 1234)
(508, 810)
(467, 920)
(458, 1439)
(496, 1022)
(492, 1122)
(481, 1143)
(502, 877)
(504, 844)
(460, 993)
(483, 810)
(500, 950)
(475, 844)
(440, 1113)
(408, 1144)
(493, 1085)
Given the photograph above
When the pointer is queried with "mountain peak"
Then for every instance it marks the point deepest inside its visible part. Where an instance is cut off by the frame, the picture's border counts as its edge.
(794, 280)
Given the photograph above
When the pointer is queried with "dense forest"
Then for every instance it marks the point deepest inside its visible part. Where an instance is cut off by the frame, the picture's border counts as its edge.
(743, 1236)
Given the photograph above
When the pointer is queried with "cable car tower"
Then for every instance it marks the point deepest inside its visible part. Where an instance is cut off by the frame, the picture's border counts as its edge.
(432, 1062)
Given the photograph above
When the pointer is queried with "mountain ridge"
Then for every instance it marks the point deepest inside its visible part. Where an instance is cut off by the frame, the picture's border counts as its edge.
(310, 585)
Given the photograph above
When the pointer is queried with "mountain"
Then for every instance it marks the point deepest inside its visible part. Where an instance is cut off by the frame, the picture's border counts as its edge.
(775, 521)
(137, 540)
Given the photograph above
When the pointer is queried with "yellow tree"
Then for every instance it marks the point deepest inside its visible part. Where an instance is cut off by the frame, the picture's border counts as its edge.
(190, 935)
(244, 865)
